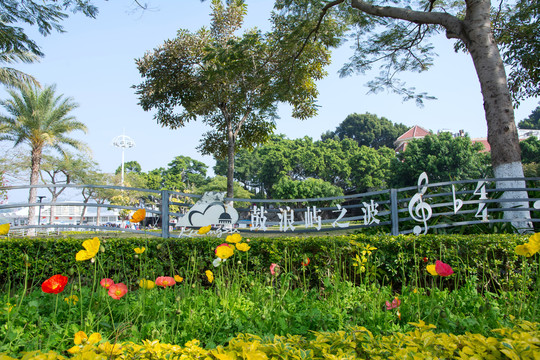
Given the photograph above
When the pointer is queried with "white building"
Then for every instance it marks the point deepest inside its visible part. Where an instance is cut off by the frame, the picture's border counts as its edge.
(63, 214)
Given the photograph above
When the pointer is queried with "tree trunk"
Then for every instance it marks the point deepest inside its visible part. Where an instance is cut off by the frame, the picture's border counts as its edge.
(34, 179)
(230, 159)
(83, 212)
(52, 211)
(98, 214)
(502, 132)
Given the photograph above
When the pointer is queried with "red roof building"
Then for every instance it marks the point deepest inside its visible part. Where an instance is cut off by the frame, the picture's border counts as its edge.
(416, 132)
(484, 142)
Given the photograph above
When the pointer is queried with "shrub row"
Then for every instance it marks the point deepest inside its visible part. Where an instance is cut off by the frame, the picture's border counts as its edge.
(397, 259)
(520, 342)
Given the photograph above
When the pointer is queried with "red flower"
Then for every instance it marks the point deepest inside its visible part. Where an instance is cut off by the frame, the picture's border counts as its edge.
(116, 291)
(395, 303)
(165, 281)
(425, 259)
(306, 261)
(443, 269)
(55, 284)
(106, 283)
(274, 269)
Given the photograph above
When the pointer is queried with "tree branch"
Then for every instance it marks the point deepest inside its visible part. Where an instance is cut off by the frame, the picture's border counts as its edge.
(316, 28)
(452, 24)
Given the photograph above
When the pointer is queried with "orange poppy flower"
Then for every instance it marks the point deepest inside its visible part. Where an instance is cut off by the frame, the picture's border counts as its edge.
(106, 283)
(55, 284)
(165, 281)
(138, 216)
(116, 291)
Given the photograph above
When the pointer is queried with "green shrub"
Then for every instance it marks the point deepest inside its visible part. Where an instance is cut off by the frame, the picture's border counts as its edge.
(521, 342)
(491, 258)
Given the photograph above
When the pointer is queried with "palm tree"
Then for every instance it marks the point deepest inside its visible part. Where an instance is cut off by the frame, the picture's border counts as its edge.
(14, 78)
(39, 119)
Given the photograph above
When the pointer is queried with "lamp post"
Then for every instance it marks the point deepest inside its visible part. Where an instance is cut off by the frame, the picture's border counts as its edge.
(123, 142)
(40, 199)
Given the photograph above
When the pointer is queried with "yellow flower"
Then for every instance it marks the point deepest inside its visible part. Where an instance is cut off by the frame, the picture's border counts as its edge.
(9, 307)
(92, 248)
(71, 300)
(431, 270)
(139, 250)
(210, 276)
(530, 248)
(147, 284)
(243, 247)
(234, 238)
(224, 251)
(178, 278)
(4, 228)
(82, 338)
(111, 349)
(535, 239)
(138, 216)
(204, 229)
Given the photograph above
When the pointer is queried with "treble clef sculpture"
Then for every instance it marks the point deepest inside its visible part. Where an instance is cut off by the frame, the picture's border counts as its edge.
(418, 209)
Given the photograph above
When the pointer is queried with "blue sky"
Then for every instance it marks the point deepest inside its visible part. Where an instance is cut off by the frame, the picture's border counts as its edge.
(93, 62)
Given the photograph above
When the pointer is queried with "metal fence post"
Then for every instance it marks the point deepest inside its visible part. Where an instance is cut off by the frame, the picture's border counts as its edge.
(394, 211)
(164, 214)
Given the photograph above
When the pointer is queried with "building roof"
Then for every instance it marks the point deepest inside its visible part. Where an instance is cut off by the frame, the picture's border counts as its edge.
(414, 133)
(484, 142)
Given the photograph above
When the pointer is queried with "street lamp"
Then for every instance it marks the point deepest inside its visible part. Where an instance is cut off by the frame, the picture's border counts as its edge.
(123, 142)
(40, 199)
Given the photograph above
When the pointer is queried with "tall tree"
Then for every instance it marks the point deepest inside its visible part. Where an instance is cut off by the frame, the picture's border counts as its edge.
(368, 130)
(192, 172)
(130, 166)
(233, 83)
(39, 119)
(532, 122)
(397, 32)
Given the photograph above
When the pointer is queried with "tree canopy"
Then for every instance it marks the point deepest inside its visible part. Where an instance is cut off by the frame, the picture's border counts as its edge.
(517, 30)
(530, 150)
(532, 122)
(233, 83)
(368, 129)
(340, 163)
(442, 157)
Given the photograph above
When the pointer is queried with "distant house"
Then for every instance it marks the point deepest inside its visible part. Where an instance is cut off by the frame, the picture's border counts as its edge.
(527, 133)
(416, 132)
(65, 214)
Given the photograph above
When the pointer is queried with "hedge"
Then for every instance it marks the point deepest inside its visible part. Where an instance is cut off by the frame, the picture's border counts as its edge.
(489, 257)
